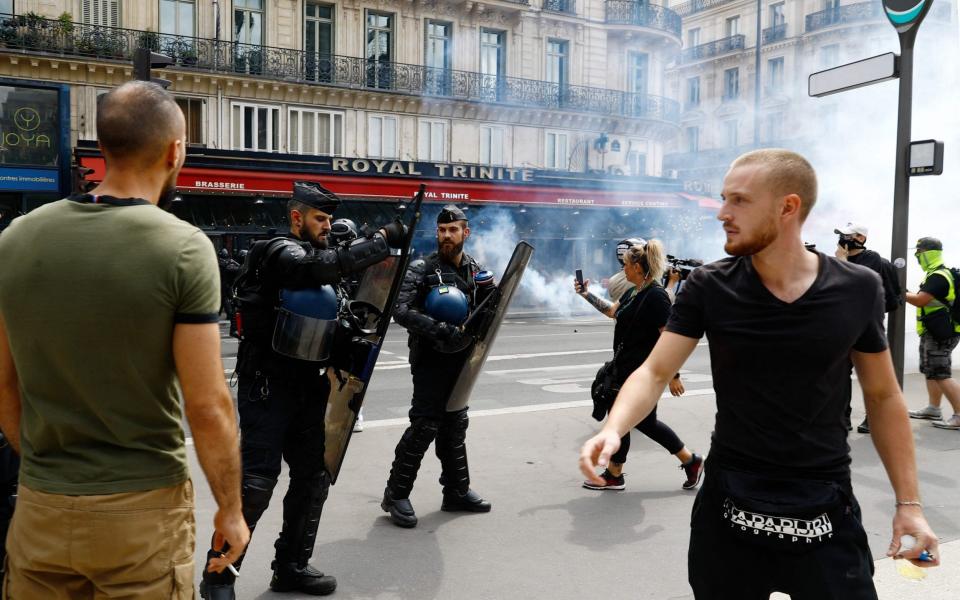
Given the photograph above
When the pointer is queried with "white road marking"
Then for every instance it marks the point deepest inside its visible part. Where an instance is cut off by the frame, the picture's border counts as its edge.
(403, 364)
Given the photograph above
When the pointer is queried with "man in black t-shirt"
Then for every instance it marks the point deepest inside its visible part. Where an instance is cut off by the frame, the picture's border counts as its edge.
(851, 247)
(777, 507)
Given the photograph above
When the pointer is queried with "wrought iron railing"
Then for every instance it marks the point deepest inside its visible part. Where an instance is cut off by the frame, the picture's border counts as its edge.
(714, 48)
(43, 36)
(560, 6)
(632, 12)
(775, 33)
(694, 6)
(866, 11)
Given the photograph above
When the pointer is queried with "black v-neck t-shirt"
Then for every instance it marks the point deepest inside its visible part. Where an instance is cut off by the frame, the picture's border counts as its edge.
(780, 370)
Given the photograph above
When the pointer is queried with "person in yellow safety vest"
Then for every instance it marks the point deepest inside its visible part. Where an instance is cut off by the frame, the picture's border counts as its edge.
(936, 343)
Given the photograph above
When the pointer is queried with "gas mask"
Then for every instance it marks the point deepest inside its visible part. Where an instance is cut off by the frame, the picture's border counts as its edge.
(849, 242)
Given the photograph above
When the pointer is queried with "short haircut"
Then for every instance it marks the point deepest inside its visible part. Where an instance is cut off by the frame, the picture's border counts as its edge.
(137, 122)
(785, 173)
(294, 204)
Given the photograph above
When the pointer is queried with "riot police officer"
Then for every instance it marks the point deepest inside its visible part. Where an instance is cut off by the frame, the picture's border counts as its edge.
(434, 300)
(281, 398)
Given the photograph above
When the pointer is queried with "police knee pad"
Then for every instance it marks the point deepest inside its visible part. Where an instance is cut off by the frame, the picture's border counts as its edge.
(255, 494)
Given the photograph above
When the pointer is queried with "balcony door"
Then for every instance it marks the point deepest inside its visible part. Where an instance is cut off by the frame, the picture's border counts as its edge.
(379, 50)
(318, 41)
(248, 36)
(437, 56)
(492, 63)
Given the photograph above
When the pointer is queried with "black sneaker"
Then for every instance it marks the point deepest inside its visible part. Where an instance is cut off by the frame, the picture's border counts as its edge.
(610, 482)
(694, 471)
(288, 577)
(863, 427)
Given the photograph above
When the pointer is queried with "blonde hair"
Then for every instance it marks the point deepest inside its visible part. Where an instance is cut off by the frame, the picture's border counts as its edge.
(785, 172)
(656, 257)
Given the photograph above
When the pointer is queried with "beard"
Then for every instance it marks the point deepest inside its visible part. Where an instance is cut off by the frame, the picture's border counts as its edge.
(449, 250)
(755, 244)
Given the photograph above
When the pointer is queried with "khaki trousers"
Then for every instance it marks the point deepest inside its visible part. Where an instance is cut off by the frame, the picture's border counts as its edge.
(134, 545)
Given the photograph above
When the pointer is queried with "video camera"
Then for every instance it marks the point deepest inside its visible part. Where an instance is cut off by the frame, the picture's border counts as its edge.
(684, 266)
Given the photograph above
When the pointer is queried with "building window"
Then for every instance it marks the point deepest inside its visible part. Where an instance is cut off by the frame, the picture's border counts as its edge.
(775, 70)
(693, 92)
(493, 60)
(639, 73)
(774, 127)
(248, 22)
(318, 41)
(730, 133)
(733, 26)
(382, 136)
(432, 140)
(437, 56)
(556, 151)
(693, 37)
(557, 62)
(731, 84)
(315, 132)
(379, 50)
(193, 109)
(693, 139)
(830, 55)
(100, 12)
(255, 127)
(491, 146)
(637, 163)
(178, 17)
(777, 16)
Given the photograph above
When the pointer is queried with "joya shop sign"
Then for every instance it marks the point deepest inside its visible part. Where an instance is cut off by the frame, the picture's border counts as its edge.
(363, 166)
(24, 132)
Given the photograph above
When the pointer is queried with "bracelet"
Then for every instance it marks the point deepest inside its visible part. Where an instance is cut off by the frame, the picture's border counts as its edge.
(677, 376)
(909, 503)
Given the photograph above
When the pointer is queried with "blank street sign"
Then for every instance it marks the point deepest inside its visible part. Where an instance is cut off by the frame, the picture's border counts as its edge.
(926, 157)
(854, 75)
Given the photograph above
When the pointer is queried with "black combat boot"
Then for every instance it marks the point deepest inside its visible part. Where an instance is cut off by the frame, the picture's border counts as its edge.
(400, 509)
(469, 501)
(290, 577)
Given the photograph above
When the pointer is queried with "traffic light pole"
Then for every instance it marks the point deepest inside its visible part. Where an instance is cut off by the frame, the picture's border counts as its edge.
(901, 198)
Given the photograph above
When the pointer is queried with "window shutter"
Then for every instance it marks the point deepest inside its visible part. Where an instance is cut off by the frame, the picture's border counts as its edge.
(114, 17)
(85, 11)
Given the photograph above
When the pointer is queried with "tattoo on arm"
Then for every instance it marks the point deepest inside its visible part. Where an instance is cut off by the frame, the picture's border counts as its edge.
(599, 303)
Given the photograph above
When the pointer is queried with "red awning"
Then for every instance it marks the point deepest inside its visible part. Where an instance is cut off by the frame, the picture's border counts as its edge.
(273, 183)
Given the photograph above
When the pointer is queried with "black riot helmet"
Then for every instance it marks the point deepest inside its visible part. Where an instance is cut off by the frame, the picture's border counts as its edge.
(342, 230)
(224, 253)
(624, 245)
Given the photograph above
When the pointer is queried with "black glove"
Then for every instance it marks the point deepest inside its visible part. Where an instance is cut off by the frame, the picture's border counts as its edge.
(453, 339)
(396, 233)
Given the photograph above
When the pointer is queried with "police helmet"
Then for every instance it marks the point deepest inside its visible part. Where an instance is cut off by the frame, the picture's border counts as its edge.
(624, 245)
(447, 304)
(306, 323)
(342, 230)
(223, 253)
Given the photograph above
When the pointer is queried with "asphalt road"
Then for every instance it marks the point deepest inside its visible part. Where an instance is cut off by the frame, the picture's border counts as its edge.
(547, 537)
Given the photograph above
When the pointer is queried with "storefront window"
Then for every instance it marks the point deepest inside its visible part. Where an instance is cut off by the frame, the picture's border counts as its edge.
(28, 127)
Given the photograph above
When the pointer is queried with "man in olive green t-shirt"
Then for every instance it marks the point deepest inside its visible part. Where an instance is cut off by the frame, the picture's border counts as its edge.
(106, 304)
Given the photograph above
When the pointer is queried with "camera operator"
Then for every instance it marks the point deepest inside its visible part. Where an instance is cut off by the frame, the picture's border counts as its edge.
(851, 247)
(677, 271)
(641, 314)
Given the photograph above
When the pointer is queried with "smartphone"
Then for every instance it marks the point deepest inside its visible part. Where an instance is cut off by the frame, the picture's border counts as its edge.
(580, 277)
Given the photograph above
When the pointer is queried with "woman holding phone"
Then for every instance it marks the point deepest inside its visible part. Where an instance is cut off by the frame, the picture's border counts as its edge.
(641, 314)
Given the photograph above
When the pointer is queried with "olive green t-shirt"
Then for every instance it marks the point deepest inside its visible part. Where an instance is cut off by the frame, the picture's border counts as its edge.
(90, 293)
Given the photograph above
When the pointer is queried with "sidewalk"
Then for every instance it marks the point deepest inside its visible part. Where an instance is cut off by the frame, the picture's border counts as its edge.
(547, 537)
